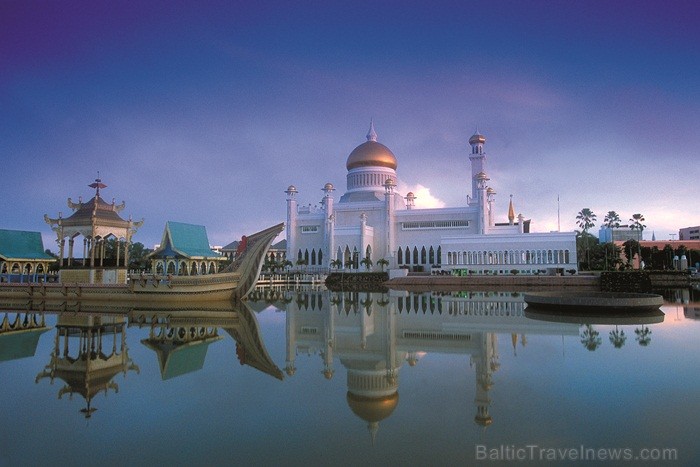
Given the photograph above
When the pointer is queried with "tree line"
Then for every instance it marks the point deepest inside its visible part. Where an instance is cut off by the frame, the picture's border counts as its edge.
(596, 256)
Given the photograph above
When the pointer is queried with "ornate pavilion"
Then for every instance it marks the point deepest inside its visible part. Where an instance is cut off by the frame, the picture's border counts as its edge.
(96, 221)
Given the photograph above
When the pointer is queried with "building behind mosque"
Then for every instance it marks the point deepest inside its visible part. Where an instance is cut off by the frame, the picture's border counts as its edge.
(371, 220)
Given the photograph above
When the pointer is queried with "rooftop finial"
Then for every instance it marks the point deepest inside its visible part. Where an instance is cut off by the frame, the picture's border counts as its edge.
(98, 184)
(371, 134)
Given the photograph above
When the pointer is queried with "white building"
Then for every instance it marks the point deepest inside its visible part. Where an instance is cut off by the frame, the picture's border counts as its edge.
(689, 233)
(371, 220)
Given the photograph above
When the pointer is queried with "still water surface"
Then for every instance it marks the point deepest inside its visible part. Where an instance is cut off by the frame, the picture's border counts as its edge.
(304, 377)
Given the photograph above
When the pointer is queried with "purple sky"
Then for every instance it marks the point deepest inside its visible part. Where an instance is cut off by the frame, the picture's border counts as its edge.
(204, 112)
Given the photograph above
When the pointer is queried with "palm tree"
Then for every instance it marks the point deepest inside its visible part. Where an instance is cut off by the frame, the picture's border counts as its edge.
(612, 220)
(590, 338)
(636, 224)
(336, 263)
(617, 338)
(366, 262)
(586, 220)
(382, 262)
(643, 336)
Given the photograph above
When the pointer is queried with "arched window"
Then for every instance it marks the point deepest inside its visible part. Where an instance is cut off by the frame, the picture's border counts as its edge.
(431, 256)
(439, 255)
(306, 256)
(313, 256)
(320, 257)
(399, 256)
(415, 255)
(423, 256)
(408, 256)
(368, 252)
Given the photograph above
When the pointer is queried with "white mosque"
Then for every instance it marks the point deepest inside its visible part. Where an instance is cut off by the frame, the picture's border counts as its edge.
(371, 220)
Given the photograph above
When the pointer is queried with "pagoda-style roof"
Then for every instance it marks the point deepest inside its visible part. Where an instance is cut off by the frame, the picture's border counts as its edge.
(105, 213)
(94, 218)
(22, 245)
(186, 241)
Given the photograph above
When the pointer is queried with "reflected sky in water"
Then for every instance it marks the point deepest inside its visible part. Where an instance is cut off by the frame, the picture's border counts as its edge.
(367, 379)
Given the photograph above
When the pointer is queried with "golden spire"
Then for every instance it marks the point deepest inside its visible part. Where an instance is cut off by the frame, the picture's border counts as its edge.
(511, 211)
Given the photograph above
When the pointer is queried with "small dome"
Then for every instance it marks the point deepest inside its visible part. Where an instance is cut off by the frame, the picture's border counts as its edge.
(410, 195)
(477, 138)
(291, 189)
(371, 154)
(328, 187)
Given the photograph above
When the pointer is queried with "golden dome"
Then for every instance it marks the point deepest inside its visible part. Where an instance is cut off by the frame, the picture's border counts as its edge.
(373, 409)
(477, 138)
(371, 154)
(483, 421)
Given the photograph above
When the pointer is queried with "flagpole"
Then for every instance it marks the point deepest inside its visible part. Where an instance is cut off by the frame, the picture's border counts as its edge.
(558, 216)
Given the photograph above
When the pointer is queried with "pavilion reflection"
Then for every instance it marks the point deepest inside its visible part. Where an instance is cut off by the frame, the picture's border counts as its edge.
(90, 348)
(89, 351)
(373, 334)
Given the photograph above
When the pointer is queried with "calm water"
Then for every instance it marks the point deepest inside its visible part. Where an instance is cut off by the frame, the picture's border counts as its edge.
(320, 378)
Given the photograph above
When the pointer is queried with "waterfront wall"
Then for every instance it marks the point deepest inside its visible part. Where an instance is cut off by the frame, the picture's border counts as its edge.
(503, 282)
(642, 281)
(365, 281)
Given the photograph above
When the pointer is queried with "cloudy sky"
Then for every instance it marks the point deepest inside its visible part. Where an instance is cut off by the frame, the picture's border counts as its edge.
(205, 112)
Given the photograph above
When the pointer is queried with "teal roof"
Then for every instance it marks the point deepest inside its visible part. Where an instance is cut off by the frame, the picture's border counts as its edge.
(20, 244)
(188, 240)
(19, 344)
(179, 359)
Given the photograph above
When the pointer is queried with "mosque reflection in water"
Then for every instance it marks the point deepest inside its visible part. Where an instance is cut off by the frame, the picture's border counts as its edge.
(372, 335)
(369, 336)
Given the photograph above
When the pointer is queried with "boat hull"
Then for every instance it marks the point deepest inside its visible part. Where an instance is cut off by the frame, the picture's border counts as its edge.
(593, 302)
(234, 284)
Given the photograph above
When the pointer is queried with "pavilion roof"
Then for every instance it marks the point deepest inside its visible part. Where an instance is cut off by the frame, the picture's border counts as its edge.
(105, 213)
(188, 240)
(20, 244)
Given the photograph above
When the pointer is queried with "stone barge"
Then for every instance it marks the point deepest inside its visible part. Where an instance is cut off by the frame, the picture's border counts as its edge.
(594, 302)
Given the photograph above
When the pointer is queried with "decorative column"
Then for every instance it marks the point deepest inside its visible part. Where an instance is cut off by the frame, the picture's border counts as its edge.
(290, 330)
(291, 220)
(491, 195)
(389, 186)
(329, 228)
(363, 236)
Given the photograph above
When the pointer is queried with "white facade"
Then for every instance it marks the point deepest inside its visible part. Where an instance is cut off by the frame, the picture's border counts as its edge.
(371, 220)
